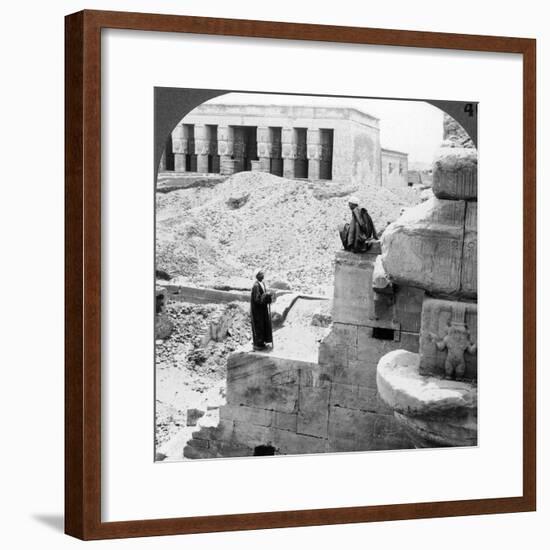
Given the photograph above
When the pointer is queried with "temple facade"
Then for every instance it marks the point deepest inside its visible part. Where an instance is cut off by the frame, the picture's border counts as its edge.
(314, 143)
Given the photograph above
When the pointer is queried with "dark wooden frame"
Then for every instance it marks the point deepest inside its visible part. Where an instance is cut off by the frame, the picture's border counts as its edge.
(83, 274)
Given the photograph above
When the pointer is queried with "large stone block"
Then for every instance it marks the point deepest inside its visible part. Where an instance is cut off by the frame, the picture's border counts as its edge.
(353, 294)
(353, 375)
(354, 397)
(339, 346)
(313, 411)
(350, 429)
(264, 382)
(242, 413)
(455, 173)
(448, 339)
(370, 349)
(423, 248)
(408, 308)
(292, 443)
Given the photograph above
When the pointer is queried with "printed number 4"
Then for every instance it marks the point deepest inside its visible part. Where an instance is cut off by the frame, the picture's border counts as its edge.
(470, 108)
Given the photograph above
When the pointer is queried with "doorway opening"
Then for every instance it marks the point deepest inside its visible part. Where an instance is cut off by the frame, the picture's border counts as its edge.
(325, 165)
(301, 163)
(264, 450)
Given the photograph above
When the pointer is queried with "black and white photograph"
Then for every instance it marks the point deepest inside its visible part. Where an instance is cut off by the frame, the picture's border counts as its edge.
(316, 277)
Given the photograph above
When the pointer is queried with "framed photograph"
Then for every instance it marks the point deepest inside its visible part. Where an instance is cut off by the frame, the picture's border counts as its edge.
(276, 252)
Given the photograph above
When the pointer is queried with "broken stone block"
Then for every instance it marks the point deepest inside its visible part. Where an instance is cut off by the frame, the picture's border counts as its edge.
(448, 339)
(455, 173)
(423, 248)
(279, 284)
(193, 415)
(164, 326)
(237, 202)
(321, 318)
(161, 297)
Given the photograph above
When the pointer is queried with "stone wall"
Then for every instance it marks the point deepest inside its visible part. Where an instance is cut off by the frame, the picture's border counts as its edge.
(331, 404)
(394, 168)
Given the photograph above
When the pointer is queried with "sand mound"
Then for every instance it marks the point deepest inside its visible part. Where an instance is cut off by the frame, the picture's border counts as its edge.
(287, 226)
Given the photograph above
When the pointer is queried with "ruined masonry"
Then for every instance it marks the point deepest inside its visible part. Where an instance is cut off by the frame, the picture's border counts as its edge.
(433, 247)
(398, 367)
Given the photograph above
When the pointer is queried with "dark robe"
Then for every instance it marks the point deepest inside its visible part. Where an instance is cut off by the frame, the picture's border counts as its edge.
(357, 234)
(259, 316)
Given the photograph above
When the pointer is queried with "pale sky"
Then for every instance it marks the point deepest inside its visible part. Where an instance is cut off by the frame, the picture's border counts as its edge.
(414, 127)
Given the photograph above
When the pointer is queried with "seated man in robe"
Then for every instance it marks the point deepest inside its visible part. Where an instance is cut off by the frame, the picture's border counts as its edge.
(360, 232)
(260, 314)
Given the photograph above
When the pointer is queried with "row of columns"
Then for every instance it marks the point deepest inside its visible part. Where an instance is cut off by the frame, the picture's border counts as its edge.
(278, 149)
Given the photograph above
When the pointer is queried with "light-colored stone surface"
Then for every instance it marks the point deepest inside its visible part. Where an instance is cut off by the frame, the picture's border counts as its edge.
(424, 247)
(356, 152)
(298, 406)
(455, 173)
(380, 280)
(447, 432)
(406, 391)
(353, 296)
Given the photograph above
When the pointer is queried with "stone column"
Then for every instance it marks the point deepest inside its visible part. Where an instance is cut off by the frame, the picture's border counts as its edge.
(314, 153)
(440, 237)
(225, 150)
(202, 148)
(288, 152)
(265, 145)
(180, 147)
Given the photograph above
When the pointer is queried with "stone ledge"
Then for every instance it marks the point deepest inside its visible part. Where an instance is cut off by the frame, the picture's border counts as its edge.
(406, 391)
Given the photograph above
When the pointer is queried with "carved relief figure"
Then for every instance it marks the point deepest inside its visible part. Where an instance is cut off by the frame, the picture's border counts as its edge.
(457, 342)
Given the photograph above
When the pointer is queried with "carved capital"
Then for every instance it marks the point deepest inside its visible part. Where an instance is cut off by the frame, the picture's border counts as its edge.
(202, 147)
(178, 132)
(180, 145)
(288, 150)
(314, 151)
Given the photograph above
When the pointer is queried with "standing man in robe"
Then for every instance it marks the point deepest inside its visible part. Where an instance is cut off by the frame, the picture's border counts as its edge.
(260, 317)
(357, 235)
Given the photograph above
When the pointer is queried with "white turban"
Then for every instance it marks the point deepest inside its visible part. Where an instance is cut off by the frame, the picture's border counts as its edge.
(353, 200)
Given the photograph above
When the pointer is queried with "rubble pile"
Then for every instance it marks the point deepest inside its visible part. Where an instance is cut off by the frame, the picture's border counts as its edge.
(191, 364)
(289, 227)
(198, 339)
